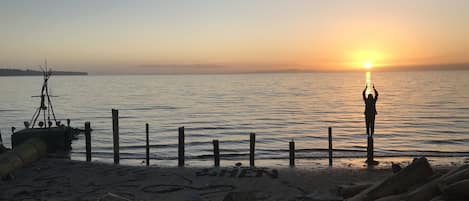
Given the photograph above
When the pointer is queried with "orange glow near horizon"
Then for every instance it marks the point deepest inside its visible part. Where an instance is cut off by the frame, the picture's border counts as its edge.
(366, 59)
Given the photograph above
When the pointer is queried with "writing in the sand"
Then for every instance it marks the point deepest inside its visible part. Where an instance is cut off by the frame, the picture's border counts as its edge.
(238, 172)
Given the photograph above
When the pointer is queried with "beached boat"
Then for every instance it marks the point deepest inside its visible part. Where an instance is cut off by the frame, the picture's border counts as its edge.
(44, 124)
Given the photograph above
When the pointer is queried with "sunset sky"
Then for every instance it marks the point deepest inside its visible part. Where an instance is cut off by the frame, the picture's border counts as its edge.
(231, 36)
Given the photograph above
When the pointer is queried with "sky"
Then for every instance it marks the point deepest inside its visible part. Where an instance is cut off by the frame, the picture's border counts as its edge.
(202, 36)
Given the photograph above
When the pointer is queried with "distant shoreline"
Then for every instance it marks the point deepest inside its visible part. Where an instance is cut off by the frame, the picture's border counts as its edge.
(433, 67)
(28, 72)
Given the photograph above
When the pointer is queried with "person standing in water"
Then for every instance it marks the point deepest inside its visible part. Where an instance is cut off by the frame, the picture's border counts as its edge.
(370, 110)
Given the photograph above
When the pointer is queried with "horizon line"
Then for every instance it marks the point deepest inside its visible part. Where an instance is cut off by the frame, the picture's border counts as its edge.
(389, 68)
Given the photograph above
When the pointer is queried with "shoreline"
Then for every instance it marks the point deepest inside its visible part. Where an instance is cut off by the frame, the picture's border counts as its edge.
(313, 163)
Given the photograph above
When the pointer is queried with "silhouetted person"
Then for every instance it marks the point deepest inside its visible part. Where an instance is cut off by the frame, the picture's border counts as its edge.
(370, 111)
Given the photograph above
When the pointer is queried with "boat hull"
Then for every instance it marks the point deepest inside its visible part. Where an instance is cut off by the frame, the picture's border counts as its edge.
(58, 139)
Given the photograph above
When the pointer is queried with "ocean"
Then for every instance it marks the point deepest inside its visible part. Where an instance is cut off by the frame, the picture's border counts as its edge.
(421, 113)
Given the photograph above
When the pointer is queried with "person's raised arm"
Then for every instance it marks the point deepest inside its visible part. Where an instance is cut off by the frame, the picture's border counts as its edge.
(363, 93)
(376, 93)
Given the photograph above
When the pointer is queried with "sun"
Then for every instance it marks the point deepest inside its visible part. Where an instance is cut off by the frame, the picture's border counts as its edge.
(368, 65)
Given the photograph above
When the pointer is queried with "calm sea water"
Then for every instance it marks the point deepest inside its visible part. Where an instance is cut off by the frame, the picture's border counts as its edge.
(420, 113)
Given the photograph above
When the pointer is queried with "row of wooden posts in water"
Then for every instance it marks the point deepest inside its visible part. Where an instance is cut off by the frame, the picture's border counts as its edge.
(181, 146)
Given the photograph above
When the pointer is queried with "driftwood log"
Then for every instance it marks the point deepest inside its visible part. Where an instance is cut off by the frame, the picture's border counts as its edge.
(347, 191)
(23, 154)
(457, 191)
(455, 175)
(449, 184)
(454, 185)
(417, 172)
(425, 192)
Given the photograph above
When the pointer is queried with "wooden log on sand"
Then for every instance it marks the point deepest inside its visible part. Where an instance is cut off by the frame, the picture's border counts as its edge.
(23, 154)
(9, 162)
(417, 172)
(31, 150)
(455, 175)
(423, 193)
(457, 191)
(347, 191)
(432, 190)
(453, 185)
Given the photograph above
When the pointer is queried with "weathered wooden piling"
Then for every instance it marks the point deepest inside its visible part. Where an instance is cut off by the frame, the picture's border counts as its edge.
(181, 147)
(115, 134)
(292, 153)
(330, 146)
(252, 146)
(147, 144)
(88, 141)
(216, 153)
(369, 151)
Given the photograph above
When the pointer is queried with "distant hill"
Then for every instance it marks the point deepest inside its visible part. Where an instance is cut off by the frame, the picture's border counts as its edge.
(18, 72)
(432, 67)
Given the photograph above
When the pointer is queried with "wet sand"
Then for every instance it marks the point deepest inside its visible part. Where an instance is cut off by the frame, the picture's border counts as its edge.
(58, 179)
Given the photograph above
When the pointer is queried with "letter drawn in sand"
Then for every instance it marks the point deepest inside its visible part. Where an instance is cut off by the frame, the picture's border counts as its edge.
(238, 172)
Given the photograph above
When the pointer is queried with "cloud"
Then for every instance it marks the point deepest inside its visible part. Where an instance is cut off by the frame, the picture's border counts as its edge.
(450, 66)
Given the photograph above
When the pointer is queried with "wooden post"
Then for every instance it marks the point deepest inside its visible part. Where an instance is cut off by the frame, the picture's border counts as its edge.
(1, 140)
(216, 153)
(330, 146)
(148, 145)
(369, 151)
(88, 141)
(115, 134)
(252, 149)
(292, 153)
(181, 147)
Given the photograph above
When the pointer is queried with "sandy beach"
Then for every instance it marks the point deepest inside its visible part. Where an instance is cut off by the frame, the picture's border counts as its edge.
(58, 179)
